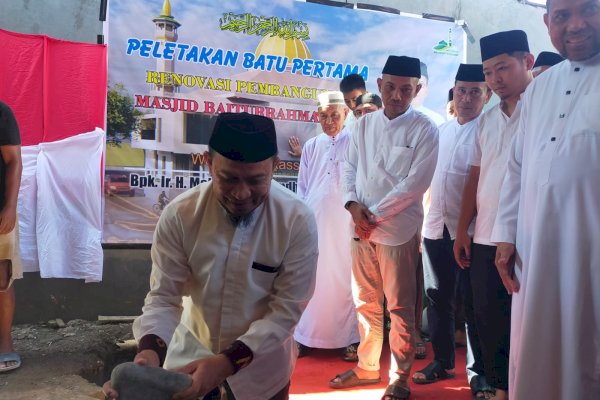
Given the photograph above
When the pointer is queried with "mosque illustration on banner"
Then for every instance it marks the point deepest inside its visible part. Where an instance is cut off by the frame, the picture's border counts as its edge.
(173, 142)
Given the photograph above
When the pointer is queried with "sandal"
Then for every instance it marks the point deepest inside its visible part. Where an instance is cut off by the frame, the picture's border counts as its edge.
(302, 350)
(397, 390)
(433, 372)
(350, 379)
(480, 388)
(420, 351)
(350, 354)
(10, 357)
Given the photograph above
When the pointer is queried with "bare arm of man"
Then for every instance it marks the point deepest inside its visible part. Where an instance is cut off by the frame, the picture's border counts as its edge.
(11, 154)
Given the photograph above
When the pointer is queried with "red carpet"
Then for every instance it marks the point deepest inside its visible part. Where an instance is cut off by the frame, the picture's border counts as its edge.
(313, 372)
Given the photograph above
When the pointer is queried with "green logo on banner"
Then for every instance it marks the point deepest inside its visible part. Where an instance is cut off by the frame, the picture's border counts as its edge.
(446, 46)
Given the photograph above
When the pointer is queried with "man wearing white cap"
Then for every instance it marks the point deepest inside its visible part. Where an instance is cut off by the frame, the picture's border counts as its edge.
(329, 321)
(389, 165)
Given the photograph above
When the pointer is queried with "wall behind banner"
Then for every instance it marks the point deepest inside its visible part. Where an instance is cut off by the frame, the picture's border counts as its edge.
(78, 19)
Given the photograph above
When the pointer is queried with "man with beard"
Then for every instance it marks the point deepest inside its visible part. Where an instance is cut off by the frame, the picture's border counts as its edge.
(329, 321)
(548, 223)
(244, 249)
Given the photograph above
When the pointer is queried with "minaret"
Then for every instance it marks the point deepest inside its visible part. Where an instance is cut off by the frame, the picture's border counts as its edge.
(166, 31)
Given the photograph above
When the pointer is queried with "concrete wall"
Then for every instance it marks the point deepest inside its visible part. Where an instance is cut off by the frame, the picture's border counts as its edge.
(75, 20)
(126, 271)
(125, 283)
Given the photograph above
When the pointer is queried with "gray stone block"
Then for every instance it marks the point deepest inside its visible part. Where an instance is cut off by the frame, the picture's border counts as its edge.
(136, 382)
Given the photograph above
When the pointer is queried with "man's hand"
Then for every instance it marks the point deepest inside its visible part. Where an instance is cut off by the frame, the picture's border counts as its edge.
(296, 149)
(8, 218)
(207, 374)
(364, 220)
(462, 249)
(147, 358)
(505, 264)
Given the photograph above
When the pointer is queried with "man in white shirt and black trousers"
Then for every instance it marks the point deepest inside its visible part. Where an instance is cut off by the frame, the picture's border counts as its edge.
(443, 277)
(507, 65)
(389, 165)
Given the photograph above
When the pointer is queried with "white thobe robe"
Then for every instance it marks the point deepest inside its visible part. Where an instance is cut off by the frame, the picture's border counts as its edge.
(550, 207)
(329, 320)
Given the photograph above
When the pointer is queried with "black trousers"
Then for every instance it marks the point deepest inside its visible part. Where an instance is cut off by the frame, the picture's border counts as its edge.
(444, 279)
(217, 394)
(492, 305)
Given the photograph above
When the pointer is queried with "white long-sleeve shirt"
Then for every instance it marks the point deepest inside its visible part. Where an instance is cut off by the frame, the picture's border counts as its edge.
(388, 167)
(451, 173)
(490, 153)
(247, 283)
(550, 207)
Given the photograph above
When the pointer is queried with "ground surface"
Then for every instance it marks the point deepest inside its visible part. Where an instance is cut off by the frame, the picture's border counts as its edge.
(65, 363)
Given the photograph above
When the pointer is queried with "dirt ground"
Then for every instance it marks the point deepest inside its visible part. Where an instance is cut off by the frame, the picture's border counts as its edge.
(65, 363)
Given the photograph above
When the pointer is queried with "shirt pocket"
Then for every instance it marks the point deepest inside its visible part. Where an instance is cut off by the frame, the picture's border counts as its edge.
(462, 159)
(399, 160)
(263, 276)
(586, 117)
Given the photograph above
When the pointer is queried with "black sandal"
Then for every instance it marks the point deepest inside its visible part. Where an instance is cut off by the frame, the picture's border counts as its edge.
(480, 386)
(433, 372)
(397, 390)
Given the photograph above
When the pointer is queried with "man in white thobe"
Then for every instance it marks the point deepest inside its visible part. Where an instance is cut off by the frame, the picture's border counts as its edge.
(389, 165)
(329, 321)
(550, 208)
(243, 251)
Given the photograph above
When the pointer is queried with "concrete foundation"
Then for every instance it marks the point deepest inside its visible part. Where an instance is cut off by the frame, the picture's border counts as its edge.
(121, 293)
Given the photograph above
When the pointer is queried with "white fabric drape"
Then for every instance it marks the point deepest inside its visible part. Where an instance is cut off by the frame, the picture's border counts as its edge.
(60, 207)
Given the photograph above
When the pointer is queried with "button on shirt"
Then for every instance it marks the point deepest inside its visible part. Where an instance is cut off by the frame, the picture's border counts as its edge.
(247, 283)
(321, 164)
(389, 165)
(490, 152)
(451, 172)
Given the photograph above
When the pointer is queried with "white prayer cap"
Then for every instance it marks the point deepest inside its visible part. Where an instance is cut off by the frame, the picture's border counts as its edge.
(333, 98)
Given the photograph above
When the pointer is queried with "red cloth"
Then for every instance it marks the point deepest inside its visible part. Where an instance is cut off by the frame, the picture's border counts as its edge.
(56, 88)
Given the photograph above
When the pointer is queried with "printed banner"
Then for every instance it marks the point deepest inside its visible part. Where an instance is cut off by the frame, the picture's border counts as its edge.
(175, 65)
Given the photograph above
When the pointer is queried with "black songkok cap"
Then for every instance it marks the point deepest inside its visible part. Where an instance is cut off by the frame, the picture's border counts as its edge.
(244, 137)
(547, 58)
(369, 98)
(503, 42)
(402, 66)
(470, 73)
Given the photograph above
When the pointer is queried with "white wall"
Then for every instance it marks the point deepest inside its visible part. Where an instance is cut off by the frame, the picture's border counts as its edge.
(483, 17)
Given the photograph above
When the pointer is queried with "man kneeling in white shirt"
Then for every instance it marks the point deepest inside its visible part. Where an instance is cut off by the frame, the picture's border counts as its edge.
(243, 250)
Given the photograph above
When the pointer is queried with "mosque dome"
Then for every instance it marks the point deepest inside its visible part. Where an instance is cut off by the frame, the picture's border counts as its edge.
(277, 46)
